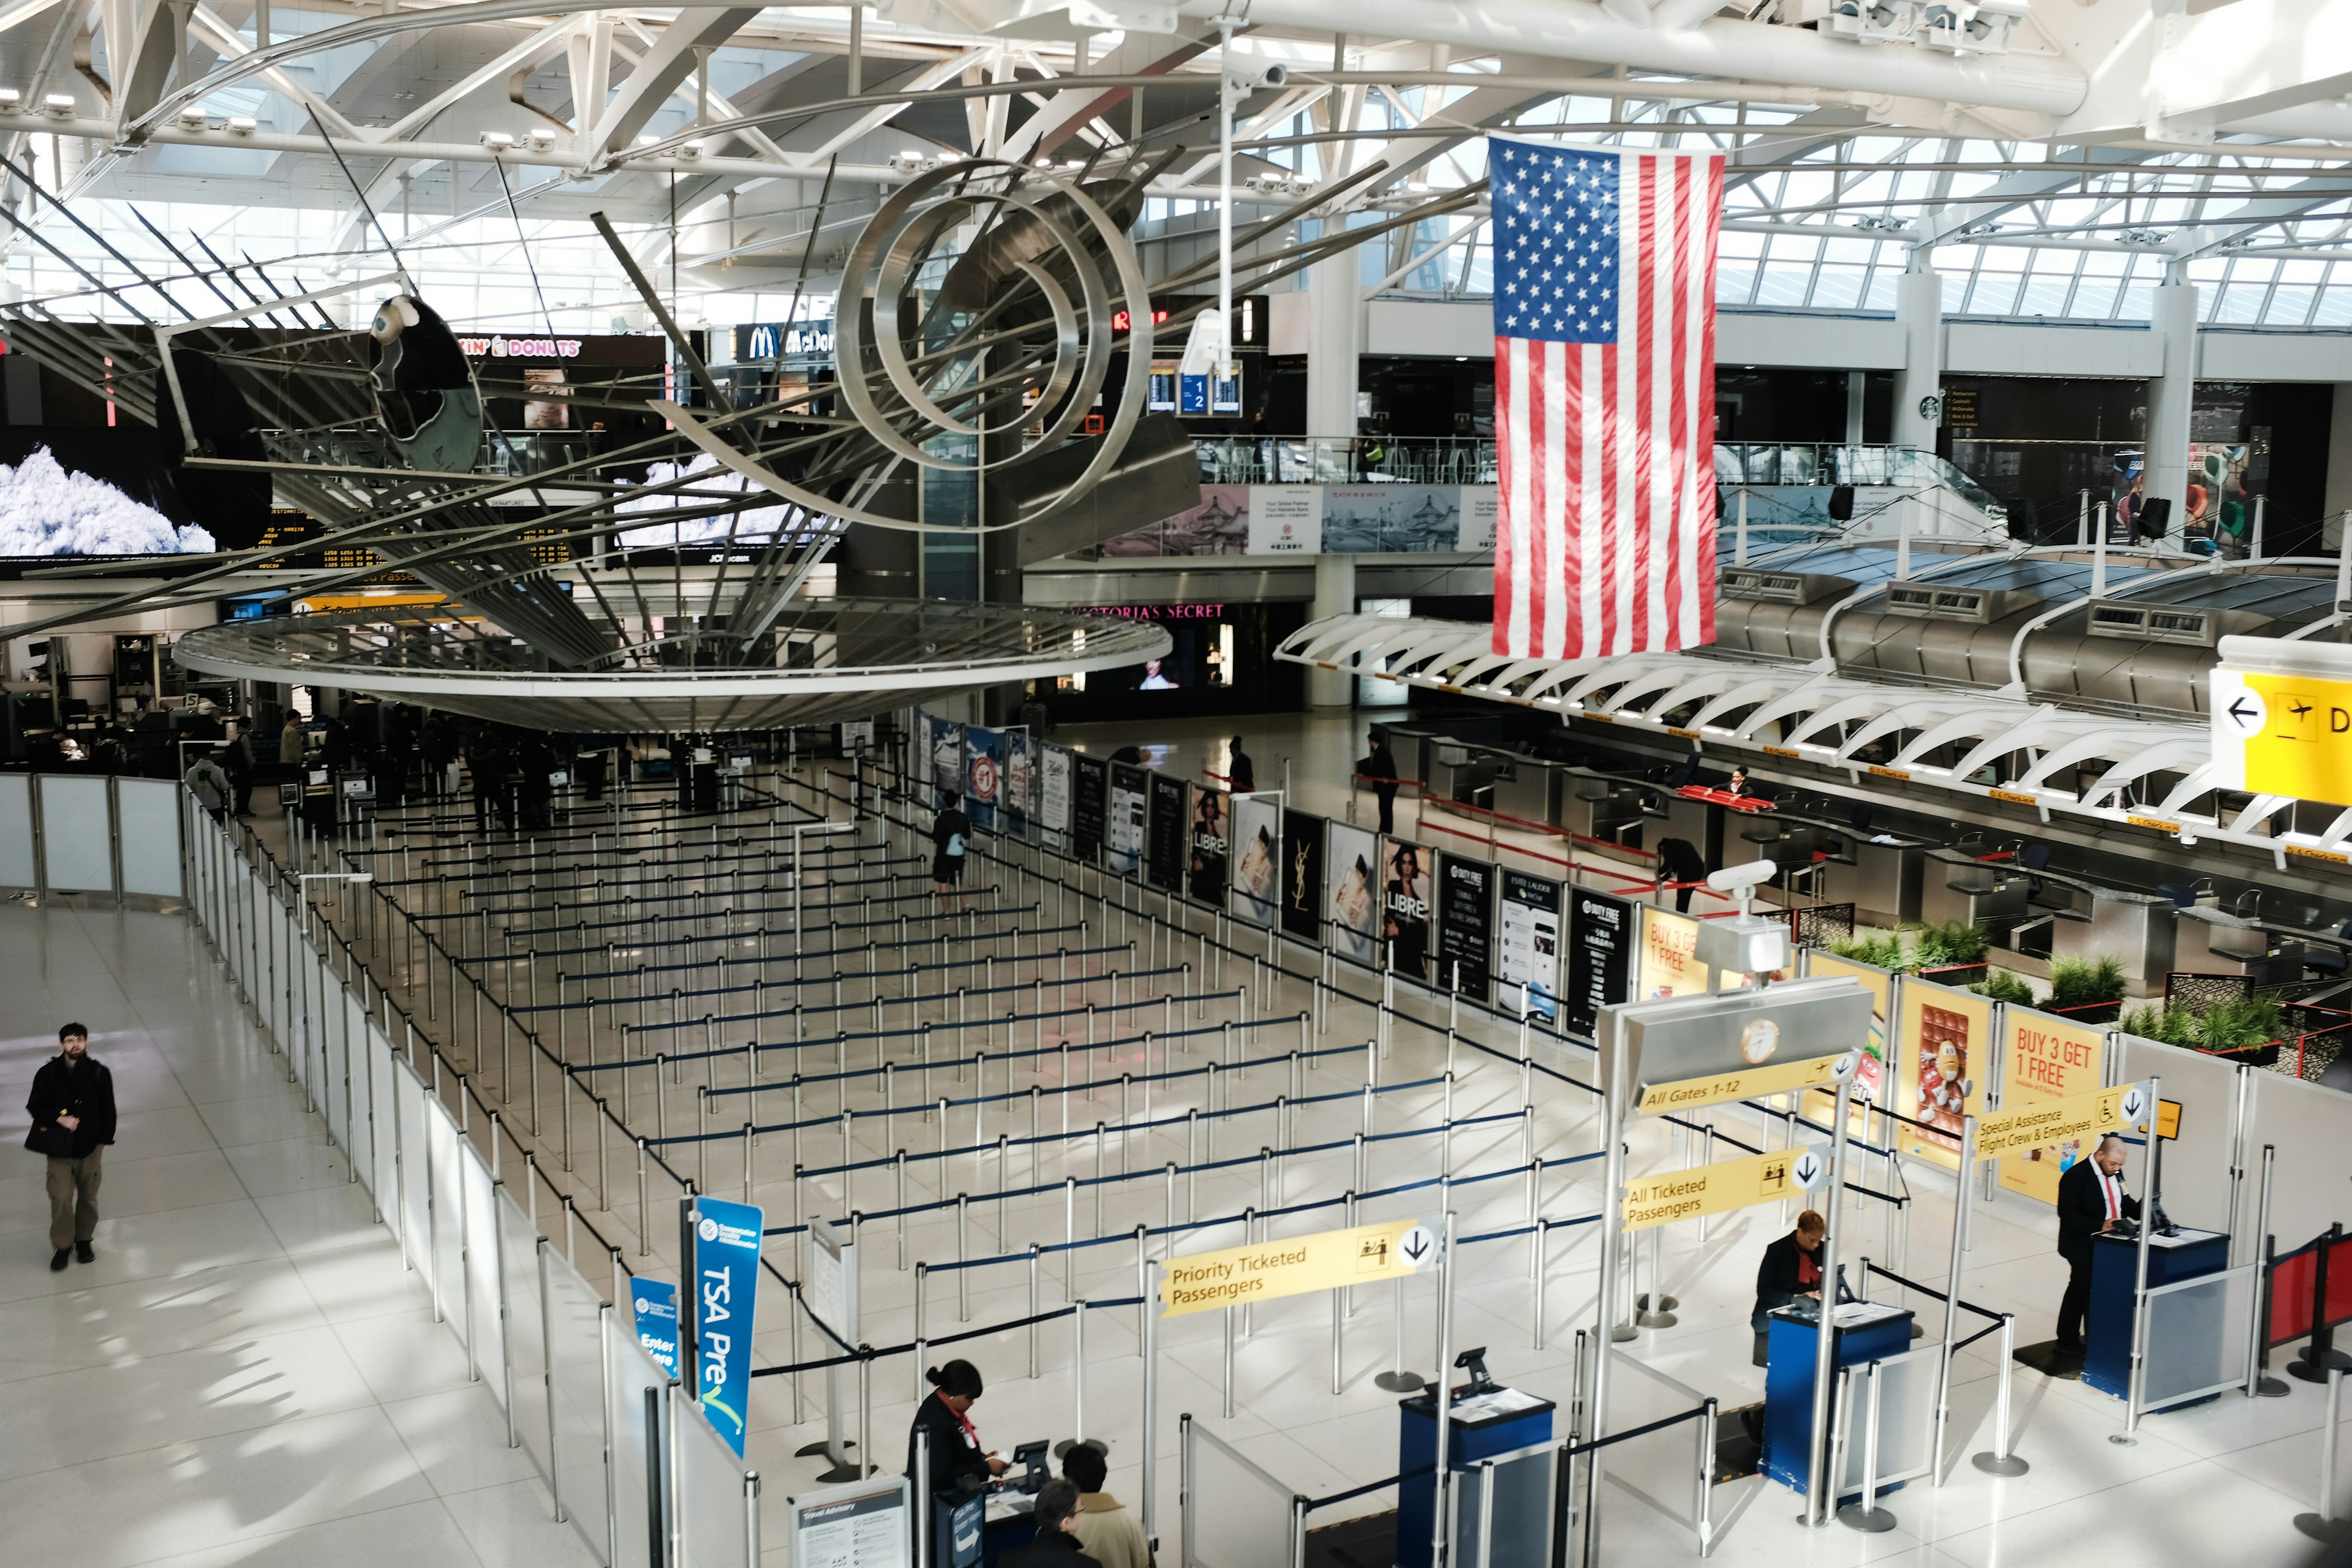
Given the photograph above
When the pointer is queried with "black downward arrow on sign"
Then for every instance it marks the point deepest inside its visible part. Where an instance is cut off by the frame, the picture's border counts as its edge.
(1414, 1250)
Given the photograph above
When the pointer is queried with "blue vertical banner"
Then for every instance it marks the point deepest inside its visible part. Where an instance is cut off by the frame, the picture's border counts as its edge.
(656, 1302)
(984, 775)
(726, 1287)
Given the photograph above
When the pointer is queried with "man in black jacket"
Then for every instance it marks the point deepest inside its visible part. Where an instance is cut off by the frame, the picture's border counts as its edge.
(72, 1107)
(2090, 1200)
(1378, 766)
(1057, 1541)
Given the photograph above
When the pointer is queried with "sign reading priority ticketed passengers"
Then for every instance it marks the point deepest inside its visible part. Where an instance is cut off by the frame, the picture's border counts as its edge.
(1294, 1265)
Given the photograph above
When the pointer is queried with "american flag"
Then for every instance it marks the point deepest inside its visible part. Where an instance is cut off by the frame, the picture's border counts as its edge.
(1604, 399)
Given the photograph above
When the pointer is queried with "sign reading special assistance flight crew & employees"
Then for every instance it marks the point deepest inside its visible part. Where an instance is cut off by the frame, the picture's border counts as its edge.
(2075, 1117)
(1295, 1265)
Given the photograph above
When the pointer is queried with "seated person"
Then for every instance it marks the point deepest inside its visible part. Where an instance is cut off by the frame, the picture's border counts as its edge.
(1790, 1273)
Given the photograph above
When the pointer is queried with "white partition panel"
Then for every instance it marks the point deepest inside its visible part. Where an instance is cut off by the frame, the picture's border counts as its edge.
(633, 1374)
(17, 868)
(711, 1494)
(77, 835)
(448, 1219)
(575, 1319)
(147, 812)
(484, 1275)
(368, 1067)
(524, 1328)
(2307, 1123)
(414, 1205)
(2197, 1164)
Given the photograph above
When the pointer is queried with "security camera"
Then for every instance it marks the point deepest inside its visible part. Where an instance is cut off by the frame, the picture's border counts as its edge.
(1731, 878)
(1248, 76)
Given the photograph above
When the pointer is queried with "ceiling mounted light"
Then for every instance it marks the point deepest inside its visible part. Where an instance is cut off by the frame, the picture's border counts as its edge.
(497, 140)
(59, 105)
(10, 100)
(241, 124)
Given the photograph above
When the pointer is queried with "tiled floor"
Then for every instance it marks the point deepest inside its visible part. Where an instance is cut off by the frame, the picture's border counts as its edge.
(246, 1375)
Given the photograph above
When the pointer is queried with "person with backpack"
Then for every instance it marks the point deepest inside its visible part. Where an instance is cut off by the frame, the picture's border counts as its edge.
(951, 836)
(209, 784)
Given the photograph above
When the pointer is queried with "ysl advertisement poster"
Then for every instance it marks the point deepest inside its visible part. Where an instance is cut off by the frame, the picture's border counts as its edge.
(1302, 875)
(1527, 927)
(1212, 843)
(1123, 830)
(1352, 872)
(1258, 856)
(1465, 929)
(1404, 907)
(1089, 804)
(1166, 842)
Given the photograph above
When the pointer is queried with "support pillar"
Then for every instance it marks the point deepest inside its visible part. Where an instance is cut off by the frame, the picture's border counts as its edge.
(2171, 397)
(1335, 594)
(1335, 309)
(1919, 312)
(1857, 382)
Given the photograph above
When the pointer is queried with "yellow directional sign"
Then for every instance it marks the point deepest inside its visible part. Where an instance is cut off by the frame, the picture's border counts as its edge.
(1725, 1185)
(1295, 1266)
(2047, 1121)
(1777, 1078)
(2281, 718)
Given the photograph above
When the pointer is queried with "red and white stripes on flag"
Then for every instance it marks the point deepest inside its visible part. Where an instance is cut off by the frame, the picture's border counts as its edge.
(1605, 539)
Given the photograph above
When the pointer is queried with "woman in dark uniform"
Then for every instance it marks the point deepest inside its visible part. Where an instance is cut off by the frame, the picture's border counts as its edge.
(942, 1424)
(1790, 1273)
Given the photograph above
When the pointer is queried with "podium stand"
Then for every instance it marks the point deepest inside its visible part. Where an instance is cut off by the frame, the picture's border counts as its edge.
(1498, 1421)
(1866, 1332)
(2114, 1264)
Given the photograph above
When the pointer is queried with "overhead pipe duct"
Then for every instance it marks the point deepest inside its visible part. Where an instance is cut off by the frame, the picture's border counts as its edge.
(1735, 50)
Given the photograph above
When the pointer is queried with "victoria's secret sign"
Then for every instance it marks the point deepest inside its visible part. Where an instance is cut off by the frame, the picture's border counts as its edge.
(1159, 612)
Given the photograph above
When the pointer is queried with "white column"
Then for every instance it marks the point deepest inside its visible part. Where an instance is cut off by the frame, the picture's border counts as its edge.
(2171, 395)
(1919, 312)
(1335, 594)
(2340, 466)
(1336, 316)
(1857, 382)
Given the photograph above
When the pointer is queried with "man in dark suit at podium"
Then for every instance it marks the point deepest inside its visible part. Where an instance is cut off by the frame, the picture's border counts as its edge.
(2091, 1200)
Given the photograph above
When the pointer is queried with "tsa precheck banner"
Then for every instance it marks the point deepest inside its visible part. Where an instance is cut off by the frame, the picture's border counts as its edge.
(726, 1289)
(656, 1304)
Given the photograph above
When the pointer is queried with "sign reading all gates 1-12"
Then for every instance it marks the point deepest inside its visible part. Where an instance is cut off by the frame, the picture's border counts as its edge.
(2282, 722)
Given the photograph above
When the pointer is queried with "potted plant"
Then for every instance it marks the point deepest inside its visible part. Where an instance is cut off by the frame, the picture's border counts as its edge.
(2088, 990)
(1950, 953)
(2004, 985)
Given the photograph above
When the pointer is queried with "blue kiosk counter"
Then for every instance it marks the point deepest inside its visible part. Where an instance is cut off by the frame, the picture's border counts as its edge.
(2114, 1264)
(1489, 1423)
(1866, 1332)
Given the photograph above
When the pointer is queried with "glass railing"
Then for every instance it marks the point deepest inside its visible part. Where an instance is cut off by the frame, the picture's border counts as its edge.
(1346, 460)
(1811, 463)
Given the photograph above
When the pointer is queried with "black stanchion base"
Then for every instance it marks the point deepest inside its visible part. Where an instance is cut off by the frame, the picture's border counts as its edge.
(814, 1451)
(1992, 1464)
(2270, 1388)
(2327, 1530)
(850, 1472)
(1869, 1520)
(1401, 1382)
(1663, 1304)
(2316, 1371)
(1656, 1319)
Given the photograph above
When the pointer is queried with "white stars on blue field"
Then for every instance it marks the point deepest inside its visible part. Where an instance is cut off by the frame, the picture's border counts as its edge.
(1556, 216)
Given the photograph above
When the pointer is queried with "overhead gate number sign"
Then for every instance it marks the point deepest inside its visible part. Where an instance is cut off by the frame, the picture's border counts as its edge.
(1294, 1266)
(1723, 1186)
(2281, 718)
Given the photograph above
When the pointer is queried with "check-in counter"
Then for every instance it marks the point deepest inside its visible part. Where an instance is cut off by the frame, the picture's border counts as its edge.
(2136, 930)
(1882, 881)
(1605, 814)
(1979, 893)
(2209, 941)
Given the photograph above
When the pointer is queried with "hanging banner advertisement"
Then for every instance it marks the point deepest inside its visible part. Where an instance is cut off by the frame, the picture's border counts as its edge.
(1166, 844)
(656, 1302)
(726, 1290)
(1256, 839)
(1870, 1078)
(1020, 783)
(1301, 877)
(1053, 794)
(1941, 1053)
(1465, 925)
(2044, 1058)
(1602, 933)
(984, 775)
(1404, 907)
(947, 754)
(1670, 966)
(1089, 806)
(1351, 872)
(1123, 827)
(1212, 845)
(1285, 519)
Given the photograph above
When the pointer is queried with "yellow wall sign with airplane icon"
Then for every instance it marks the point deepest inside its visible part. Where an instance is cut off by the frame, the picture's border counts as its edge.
(2284, 732)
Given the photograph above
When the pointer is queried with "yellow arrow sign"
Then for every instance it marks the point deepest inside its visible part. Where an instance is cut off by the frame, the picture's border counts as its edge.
(1725, 1185)
(1689, 1093)
(1295, 1266)
(2049, 1121)
(2284, 732)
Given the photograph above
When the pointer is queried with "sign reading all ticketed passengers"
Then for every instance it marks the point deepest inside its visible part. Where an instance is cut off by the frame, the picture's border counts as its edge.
(1294, 1266)
(1727, 1184)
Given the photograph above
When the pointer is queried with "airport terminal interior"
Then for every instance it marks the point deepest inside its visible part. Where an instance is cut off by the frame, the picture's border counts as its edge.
(929, 783)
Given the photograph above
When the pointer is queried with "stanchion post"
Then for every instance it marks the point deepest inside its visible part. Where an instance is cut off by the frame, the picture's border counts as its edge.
(2323, 1525)
(2000, 1461)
